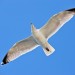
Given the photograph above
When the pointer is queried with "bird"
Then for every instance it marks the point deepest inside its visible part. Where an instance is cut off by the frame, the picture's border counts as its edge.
(39, 37)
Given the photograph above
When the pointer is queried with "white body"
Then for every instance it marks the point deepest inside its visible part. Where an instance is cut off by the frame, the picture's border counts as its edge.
(41, 40)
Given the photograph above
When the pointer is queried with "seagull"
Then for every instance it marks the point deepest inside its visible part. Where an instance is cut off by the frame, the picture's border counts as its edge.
(39, 37)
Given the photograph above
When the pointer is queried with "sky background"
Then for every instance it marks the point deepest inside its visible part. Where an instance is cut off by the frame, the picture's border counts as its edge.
(15, 19)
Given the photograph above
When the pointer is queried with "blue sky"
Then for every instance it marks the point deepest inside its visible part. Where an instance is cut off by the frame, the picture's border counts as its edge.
(15, 19)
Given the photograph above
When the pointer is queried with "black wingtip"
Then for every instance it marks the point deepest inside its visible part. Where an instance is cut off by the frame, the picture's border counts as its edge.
(73, 10)
(2, 63)
(4, 60)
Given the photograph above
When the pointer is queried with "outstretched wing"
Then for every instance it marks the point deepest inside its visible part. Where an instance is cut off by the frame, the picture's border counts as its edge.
(19, 49)
(56, 22)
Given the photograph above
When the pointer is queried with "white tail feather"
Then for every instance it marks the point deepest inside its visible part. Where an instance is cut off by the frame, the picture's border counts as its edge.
(49, 51)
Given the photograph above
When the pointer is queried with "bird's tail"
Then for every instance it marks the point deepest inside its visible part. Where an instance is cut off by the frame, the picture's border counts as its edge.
(48, 50)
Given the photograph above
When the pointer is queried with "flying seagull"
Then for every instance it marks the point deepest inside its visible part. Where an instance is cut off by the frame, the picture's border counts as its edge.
(39, 37)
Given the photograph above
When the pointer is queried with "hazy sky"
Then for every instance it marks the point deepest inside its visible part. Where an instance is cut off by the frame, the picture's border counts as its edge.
(15, 19)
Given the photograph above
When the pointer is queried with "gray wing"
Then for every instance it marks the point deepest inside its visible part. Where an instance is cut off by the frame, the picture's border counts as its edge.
(56, 22)
(19, 49)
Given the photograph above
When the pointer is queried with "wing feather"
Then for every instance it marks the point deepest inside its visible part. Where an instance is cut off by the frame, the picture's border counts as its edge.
(20, 48)
(56, 22)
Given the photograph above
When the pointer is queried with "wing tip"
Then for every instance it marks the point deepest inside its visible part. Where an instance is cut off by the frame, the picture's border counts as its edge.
(2, 63)
(72, 9)
(5, 61)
